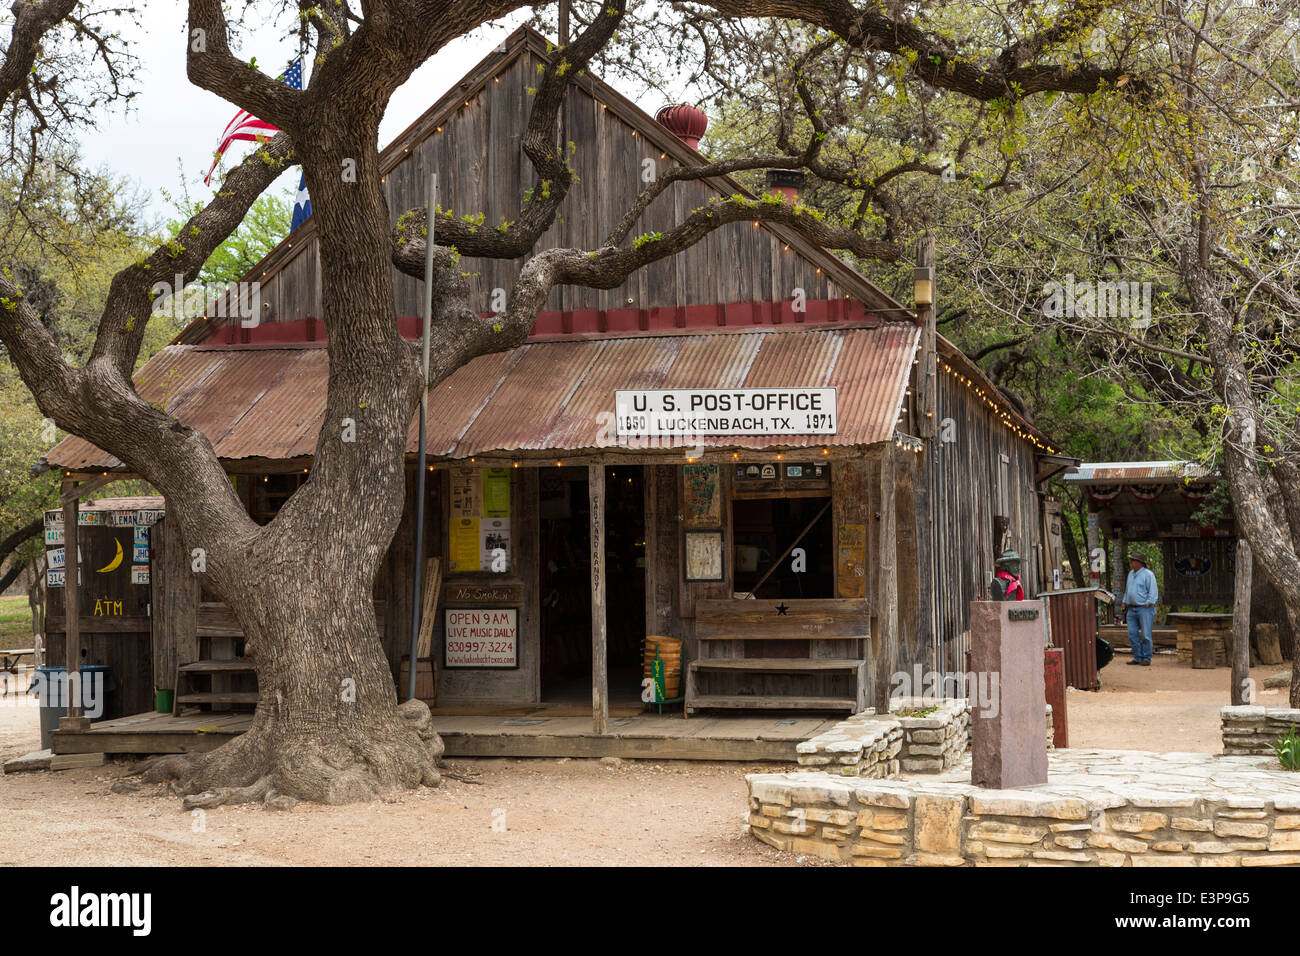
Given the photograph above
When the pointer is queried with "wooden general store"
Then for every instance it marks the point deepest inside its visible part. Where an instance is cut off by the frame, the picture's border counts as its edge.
(800, 569)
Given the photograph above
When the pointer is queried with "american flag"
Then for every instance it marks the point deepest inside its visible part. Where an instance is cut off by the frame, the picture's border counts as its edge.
(246, 126)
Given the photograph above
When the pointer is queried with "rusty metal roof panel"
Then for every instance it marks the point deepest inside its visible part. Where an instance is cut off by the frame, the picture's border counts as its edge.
(785, 360)
(168, 377)
(724, 360)
(520, 413)
(282, 402)
(455, 403)
(1128, 471)
(586, 416)
(871, 378)
(560, 394)
(544, 396)
(253, 402)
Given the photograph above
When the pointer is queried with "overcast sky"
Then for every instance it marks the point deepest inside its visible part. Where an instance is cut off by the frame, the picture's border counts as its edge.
(174, 124)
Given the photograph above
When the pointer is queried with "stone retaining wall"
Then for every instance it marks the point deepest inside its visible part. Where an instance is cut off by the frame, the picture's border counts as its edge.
(1252, 730)
(1102, 808)
(869, 745)
(936, 741)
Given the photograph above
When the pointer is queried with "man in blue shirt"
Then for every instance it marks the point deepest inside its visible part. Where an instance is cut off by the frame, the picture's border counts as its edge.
(1140, 598)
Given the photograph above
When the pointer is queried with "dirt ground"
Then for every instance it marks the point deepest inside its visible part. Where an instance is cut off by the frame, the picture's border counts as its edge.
(518, 812)
(1165, 707)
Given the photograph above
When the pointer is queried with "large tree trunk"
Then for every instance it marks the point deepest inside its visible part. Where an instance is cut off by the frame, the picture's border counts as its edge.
(1265, 528)
(327, 726)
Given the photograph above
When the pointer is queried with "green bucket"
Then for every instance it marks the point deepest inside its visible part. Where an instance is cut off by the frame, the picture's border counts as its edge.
(164, 700)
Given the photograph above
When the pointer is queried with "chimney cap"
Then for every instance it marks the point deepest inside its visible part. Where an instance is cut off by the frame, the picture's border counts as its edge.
(684, 121)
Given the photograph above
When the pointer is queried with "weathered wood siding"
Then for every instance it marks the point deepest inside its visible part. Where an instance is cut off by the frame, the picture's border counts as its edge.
(475, 150)
(175, 599)
(962, 483)
(113, 621)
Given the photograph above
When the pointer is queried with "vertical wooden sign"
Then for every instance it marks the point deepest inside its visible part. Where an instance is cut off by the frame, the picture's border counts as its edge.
(851, 559)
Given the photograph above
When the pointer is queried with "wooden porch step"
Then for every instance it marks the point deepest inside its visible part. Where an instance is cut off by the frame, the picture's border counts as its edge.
(223, 697)
(776, 664)
(219, 667)
(754, 702)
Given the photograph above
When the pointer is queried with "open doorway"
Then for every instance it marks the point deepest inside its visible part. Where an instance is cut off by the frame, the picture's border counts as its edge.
(564, 513)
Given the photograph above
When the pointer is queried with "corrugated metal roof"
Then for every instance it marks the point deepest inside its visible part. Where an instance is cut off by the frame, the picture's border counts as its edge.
(544, 396)
(1117, 472)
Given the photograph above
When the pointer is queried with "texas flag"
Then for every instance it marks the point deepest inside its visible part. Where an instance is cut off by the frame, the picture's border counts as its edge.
(301, 204)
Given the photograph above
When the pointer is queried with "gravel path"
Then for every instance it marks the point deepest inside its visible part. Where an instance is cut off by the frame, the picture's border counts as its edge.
(540, 812)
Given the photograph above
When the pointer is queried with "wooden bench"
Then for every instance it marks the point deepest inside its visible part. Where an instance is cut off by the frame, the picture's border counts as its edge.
(779, 655)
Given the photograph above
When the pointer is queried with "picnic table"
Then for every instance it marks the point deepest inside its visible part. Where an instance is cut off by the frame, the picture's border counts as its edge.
(1194, 624)
(9, 659)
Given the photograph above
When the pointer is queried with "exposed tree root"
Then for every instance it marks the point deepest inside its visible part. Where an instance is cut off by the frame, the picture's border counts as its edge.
(463, 779)
(276, 768)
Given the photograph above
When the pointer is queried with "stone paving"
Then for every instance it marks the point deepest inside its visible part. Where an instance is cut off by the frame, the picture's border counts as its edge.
(1099, 808)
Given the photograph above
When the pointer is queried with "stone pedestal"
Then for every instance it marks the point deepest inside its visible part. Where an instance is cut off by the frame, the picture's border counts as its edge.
(1008, 731)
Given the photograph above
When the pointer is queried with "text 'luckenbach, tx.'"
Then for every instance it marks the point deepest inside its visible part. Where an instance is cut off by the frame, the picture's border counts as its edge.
(725, 411)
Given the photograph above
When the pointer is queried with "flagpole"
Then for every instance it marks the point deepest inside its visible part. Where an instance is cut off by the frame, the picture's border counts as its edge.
(422, 468)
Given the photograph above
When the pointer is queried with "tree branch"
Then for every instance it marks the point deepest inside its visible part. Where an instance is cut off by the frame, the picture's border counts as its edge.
(23, 534)
(936, 61)
(210, 65)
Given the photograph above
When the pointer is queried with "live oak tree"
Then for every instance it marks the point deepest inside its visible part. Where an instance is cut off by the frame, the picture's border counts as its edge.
(328, 726)
(1190, 189)
(64, 232)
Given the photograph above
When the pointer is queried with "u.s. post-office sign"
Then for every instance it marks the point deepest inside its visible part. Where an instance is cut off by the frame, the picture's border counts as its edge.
(725, 411)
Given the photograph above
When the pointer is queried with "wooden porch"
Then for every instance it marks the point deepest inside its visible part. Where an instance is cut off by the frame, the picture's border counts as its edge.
(529, 733)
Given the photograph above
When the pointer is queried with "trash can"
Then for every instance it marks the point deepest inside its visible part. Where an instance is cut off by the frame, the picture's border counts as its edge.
(50, 686)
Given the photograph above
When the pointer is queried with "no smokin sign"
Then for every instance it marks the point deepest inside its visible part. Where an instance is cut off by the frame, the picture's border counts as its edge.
(725, 411)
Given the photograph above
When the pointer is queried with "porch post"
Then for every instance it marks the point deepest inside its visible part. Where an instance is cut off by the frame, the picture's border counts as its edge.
(887, 645)
(71, 611)
(599, 661)
(1240, 690)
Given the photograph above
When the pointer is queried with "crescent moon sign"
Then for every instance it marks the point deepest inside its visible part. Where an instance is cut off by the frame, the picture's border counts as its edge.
(112, 565)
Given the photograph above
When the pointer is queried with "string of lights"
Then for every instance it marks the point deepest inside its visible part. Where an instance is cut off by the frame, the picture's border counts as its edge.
(1003, 413)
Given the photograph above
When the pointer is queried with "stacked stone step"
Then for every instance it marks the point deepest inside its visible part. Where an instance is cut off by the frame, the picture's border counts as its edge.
(935, 741)
(869, 745)
(1252, 730)
(864, 745)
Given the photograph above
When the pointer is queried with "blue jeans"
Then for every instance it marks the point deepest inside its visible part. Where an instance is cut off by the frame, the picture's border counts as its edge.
(1140, 622)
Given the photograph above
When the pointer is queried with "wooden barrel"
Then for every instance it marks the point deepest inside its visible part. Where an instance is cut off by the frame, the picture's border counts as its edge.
(670, 650)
